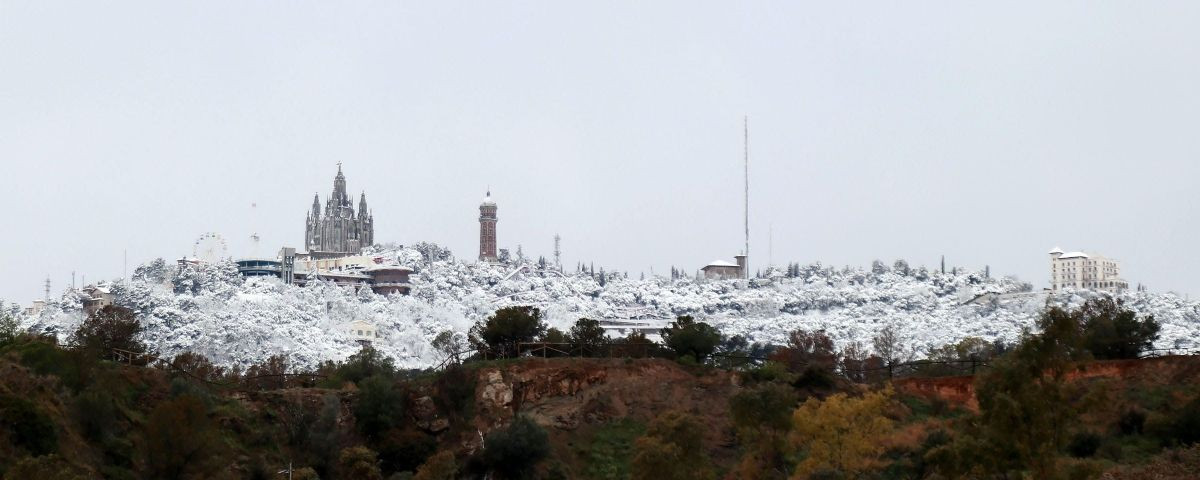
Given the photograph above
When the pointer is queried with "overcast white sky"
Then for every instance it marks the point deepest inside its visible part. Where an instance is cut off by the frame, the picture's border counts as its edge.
(986, 131)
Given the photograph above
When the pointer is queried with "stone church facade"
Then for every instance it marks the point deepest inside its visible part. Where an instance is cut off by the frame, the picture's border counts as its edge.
(339, 229)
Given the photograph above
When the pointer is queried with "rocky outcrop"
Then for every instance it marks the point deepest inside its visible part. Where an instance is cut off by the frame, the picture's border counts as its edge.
(566, 393)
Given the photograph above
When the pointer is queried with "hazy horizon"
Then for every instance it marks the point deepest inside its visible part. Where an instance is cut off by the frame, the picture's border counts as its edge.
(988, 134)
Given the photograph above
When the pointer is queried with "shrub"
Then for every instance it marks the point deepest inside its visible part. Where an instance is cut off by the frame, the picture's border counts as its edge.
(454, 391)
(1184, 426)
(46, 467)
(367, 362)
(514, 451)
(672, 449)
(96, 412)
(689, 338)
(359, 463)
(180, 440)
(502, 332)
(28, 427)
(1084, 444)
(438, 467)
(766, 406)
(1132, 422)
(380, 405)
(402, 450)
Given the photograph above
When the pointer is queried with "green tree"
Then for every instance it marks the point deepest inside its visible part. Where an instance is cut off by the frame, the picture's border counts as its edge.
(513, 452)
(672, 449)
(689, 338)
(404, 449)
(1112, 332)
(588, 335)
(502, 332)
(110, 328)
(9, 328)
(1026, 409)
(380, 405)
(180, 440)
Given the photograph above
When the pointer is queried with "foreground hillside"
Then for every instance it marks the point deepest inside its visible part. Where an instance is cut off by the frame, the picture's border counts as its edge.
(68, 415)
(210, 310)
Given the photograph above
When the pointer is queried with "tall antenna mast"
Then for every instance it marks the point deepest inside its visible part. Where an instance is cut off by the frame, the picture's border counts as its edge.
(557, 252)
(47, 289)
(746, 204)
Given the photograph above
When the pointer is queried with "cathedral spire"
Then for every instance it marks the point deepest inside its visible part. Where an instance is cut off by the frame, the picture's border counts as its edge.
(339, 188)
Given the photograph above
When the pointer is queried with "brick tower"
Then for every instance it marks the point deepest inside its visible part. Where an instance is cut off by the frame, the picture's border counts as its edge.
(487, 229)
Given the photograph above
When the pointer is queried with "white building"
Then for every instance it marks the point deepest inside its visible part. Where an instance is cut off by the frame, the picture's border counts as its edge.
(362, 332)
(1079, 270)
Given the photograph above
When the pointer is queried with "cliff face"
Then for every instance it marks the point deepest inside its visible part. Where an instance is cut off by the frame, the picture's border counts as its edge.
(1169, 370)
(566, 394)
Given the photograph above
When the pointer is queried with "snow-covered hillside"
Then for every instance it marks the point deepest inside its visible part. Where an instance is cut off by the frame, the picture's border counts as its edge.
(210, 310)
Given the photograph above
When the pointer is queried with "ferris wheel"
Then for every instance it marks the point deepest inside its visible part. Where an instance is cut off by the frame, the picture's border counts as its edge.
(210, 247)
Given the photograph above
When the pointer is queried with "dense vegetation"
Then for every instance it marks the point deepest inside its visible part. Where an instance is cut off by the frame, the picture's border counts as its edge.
(101, 407)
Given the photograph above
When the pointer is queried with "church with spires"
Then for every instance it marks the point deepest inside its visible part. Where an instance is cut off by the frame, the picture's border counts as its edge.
(338, 230)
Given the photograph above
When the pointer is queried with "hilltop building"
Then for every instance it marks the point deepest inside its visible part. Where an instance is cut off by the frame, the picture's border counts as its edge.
(1081, 270)
(339, 230)
(487, 229)
(723, 270)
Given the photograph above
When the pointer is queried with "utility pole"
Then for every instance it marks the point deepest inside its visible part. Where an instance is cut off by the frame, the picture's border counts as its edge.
(47, 289)
(288, 471)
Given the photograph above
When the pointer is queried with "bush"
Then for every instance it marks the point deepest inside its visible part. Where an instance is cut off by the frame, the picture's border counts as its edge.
(766, 406)
(46, 467)
(438, 467)
(1084, 444)
(502, 332)
(180, 440)
(403, 450)
(514, 452)
(1184, 426)
(28, 427)
(689, 338)
(96, 411)
(454, 391)
(359, 463)
(672, 448)
(380, 405)
(1132, 422)
(367, 362)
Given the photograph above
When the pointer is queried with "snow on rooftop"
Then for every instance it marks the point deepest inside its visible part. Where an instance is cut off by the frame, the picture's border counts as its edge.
(1056, 250)
(721, 263)
(1074, 255)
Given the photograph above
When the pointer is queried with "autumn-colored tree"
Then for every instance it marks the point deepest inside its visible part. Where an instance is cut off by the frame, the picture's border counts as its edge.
(672, 449)
(359, 463)
(441, 466)
(841, 433)
(806, 350)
